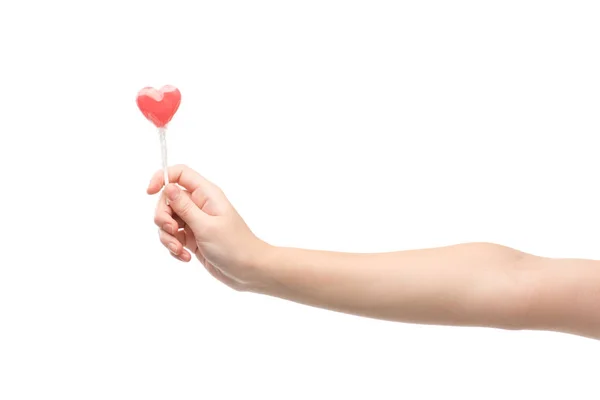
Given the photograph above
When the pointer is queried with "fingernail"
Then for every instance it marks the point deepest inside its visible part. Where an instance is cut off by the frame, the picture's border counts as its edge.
(172, 248)
(172, 192)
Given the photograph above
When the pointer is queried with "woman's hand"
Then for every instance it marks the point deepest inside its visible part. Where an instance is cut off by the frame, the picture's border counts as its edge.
(469, 284)
(200, 218)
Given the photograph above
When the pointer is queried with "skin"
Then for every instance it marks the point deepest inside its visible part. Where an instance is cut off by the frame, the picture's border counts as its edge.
(469, 284)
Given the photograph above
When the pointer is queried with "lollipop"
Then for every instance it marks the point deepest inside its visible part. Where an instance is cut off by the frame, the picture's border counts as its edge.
(159, 106)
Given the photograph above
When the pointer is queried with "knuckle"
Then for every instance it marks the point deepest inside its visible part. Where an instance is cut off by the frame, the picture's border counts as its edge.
(185, 208)
(163, 238)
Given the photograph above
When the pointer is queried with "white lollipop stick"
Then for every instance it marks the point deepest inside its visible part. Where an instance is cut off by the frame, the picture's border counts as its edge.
(162, 134)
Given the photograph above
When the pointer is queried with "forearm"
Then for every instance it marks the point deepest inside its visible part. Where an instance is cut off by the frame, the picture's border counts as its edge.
(474, 284)
(563, 294)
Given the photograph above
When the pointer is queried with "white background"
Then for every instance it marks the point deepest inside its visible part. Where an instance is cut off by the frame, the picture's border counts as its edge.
(340, 125)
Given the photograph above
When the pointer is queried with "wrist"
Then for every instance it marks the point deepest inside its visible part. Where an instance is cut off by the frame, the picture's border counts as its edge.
(266, 265)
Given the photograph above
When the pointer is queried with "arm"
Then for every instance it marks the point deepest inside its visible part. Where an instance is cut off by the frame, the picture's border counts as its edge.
(468, 284)
(472, 284)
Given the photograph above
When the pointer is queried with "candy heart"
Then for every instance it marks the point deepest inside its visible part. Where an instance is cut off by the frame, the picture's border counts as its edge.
(159, 106)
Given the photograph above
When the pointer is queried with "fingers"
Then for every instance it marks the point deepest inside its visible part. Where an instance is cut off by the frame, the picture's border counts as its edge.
(182, 257)
(179, 221)
(175, 234)
(182, 205)
(174, 244)
(180, 174)
(163, 217)
(207, 196)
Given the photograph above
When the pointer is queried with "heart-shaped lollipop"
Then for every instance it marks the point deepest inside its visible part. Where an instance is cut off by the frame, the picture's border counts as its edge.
(159, 105)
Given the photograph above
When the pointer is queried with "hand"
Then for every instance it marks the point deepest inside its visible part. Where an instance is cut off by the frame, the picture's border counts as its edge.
(200, 218)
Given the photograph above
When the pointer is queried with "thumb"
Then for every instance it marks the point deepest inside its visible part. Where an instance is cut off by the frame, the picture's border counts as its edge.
(184, 207)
